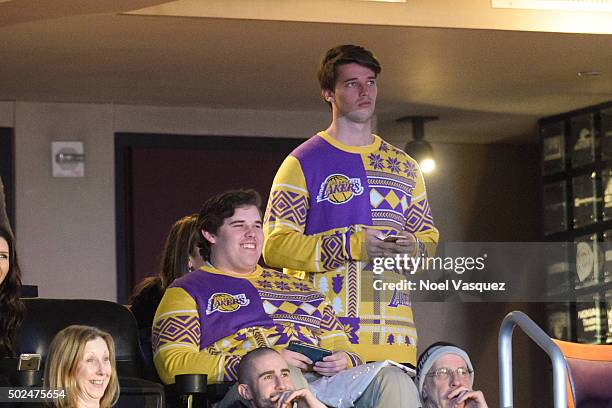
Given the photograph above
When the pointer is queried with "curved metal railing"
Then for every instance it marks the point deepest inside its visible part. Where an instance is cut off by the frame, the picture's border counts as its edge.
(538, 335)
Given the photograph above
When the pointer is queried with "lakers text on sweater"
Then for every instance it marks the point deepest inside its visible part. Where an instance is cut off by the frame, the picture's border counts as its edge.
(338, 188)
(224, 302)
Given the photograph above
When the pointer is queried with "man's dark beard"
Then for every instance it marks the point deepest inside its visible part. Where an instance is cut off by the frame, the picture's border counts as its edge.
(262, 402)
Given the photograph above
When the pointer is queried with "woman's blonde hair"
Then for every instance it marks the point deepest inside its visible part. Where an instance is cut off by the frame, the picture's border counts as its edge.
(65, 353)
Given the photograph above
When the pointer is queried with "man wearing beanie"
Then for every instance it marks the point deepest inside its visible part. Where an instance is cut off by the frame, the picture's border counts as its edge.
(445, 377)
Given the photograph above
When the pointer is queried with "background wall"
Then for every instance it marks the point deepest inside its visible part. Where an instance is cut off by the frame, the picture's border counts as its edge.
(7, 111)
(488, 193)
(66, 227)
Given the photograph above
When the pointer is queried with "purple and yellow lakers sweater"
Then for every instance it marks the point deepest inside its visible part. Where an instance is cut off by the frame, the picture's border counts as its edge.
(208, 319)
(322, 197)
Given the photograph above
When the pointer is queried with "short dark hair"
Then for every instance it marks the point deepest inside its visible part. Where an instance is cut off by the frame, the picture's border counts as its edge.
(341, 55)
(217, 208)
(247, 363)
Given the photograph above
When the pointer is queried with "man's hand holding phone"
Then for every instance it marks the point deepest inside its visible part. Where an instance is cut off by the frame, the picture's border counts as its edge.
(332, 365)
(380, 245)
(296, 359)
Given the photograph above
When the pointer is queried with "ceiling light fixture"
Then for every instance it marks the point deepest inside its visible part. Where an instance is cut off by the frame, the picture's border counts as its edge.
(418, 148)
(589, 73)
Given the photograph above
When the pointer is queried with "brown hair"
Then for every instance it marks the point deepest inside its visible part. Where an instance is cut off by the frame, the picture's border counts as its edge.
(12, 308)
(341, 55)
(216, 209)
(183, 241)
(65, 353)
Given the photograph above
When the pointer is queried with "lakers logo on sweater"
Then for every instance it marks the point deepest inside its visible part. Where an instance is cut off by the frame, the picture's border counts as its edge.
(226, 303)
(339, 189)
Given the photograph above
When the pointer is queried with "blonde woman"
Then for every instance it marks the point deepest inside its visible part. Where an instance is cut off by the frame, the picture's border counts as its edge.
(81, 361)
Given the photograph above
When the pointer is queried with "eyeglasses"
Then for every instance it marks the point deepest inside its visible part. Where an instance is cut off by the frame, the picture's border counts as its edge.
(444, 373)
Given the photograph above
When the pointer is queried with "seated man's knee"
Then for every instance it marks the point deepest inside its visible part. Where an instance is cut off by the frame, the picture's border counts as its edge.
(391, 374)
(391, 387)
(394, 380)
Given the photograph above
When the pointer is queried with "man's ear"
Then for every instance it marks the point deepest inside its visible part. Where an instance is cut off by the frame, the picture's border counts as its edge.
(245, 392)
(209, 237)
(328, 95)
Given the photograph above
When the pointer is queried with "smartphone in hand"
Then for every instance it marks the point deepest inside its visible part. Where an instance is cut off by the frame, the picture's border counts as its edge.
(391, 238)
(312, 352)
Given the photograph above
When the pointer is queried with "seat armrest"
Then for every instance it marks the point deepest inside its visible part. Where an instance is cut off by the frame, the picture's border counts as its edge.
(191, 384)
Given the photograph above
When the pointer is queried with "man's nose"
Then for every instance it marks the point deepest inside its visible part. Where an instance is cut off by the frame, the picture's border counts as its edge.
(363, 89)
(280, 384)
(455, 380)
(249, 231)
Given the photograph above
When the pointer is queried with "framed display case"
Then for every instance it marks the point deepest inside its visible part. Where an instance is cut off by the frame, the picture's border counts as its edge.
(559, 325)
(583, 140)
(589, 261)
(553, 147)
(585, 200)
(555, 208)
(591, 323)
(577, 211)
(558, 270)
(606, 186)
(606, 134)
(607, 256)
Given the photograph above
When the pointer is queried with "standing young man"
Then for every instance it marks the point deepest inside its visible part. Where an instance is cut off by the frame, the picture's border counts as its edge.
(336, 195)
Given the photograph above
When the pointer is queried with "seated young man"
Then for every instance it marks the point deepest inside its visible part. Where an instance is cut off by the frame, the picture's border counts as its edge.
(264, 381)
(445, 377)
(210, 318)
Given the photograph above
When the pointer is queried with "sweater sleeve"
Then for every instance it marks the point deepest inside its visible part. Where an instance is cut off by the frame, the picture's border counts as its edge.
(176, 340)
(286, 245)
(420, 219)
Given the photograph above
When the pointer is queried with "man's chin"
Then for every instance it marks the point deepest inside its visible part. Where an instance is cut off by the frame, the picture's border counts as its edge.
(361, 116)
(266, 403)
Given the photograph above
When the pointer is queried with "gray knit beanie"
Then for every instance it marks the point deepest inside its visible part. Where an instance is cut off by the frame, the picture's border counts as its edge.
(429, 357)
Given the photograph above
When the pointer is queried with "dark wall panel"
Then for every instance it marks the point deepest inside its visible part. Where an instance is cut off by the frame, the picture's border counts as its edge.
(161, 178)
